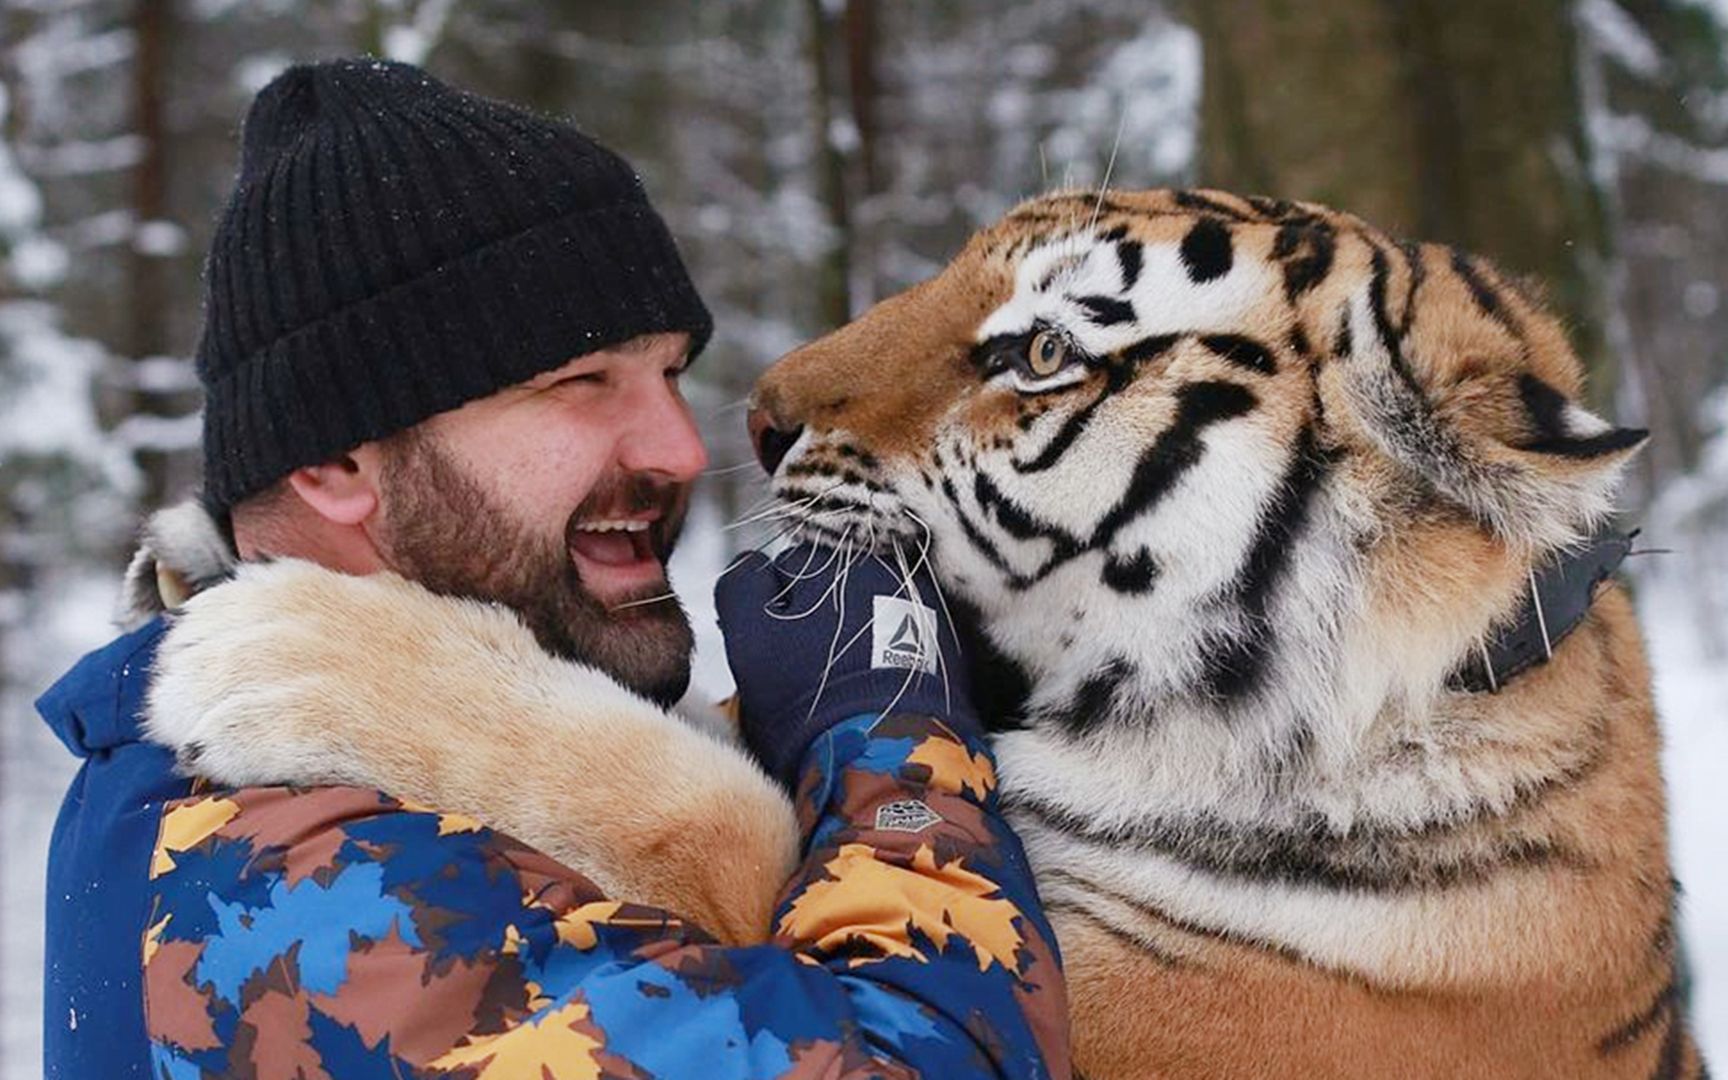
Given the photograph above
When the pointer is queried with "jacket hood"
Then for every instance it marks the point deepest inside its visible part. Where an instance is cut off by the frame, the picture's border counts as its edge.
(99, 704)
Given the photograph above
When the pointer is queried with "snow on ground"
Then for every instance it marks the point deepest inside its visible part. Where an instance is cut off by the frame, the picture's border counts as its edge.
(1692, 699)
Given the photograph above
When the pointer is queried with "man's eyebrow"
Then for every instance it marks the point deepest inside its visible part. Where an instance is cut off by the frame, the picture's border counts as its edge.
(645, 342)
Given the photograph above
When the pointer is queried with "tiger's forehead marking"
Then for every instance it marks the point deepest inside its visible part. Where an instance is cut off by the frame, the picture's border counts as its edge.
(1109, 288)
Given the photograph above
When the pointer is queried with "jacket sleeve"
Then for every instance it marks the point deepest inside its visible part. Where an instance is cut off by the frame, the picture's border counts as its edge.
(350, 934)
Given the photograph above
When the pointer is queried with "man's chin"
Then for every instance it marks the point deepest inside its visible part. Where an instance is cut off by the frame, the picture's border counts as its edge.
(652, 659)
(643, 640)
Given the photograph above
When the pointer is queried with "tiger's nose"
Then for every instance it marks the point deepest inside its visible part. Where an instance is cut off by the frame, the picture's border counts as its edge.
(771, 440)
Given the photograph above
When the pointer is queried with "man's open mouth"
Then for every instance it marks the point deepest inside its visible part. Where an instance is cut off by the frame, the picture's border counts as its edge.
(619, 542)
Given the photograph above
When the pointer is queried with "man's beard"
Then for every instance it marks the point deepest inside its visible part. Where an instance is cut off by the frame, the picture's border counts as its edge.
(444, 531)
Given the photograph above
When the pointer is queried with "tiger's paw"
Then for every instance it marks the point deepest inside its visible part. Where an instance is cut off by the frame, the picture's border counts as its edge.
(295, 674)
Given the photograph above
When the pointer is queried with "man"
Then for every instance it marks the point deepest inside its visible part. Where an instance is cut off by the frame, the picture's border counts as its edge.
(444, 338)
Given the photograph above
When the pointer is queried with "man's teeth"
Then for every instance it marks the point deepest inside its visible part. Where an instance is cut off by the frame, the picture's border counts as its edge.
(613, 526)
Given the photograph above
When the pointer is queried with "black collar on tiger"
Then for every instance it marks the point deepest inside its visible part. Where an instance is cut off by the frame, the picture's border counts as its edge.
(1560, 596)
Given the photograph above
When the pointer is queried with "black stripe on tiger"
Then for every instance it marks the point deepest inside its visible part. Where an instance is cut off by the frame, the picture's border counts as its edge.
(1142, 944)
(1660, 1009)
(1547, 409)
(1418, 271)
(1106, 310)
(1133, 575)
(1242, 351)
(816, 467)
(974, 535)
(1386, 861)
(1094, 701)
(1274, 209)
(1206, 250)
(1237, 666)
(1130, 256)
(1673, 1052)
(1014, 519)
(1176, 450)
(1193, 200)
(1475, 278)
(1305, 252)
(1156, 914)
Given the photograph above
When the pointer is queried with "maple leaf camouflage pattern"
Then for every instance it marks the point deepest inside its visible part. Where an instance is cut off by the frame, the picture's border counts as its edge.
(339, 932)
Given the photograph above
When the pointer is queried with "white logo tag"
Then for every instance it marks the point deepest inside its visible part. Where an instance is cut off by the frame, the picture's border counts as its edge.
(908, 815)
(903, 635)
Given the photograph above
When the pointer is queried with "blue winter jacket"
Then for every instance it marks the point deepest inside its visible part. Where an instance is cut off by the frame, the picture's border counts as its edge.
(99, 861)
(340, 932)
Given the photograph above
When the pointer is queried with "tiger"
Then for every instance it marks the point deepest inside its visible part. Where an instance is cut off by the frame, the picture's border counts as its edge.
(1246, 505)
(1237, 488)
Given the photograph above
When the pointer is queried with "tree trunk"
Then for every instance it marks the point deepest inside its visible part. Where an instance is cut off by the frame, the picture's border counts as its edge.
(862, 35)
(834, 284)
(1450, 120)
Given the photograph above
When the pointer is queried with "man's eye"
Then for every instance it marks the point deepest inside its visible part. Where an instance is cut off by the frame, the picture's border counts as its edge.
(594, 378)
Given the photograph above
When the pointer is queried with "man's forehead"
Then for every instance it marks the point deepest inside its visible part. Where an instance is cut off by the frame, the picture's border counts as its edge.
(669, 344)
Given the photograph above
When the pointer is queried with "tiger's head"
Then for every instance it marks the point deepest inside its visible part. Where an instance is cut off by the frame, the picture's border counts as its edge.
(1189, 455)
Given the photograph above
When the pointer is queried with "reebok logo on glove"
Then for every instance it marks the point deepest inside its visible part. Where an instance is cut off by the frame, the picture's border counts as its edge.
(902, 635)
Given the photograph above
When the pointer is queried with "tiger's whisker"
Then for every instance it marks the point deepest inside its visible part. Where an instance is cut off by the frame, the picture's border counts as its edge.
(727, 470)
(1104, 187)
(644, 601)
(839, 625)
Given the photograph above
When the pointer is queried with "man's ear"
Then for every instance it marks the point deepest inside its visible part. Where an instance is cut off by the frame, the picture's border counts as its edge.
(344, 491)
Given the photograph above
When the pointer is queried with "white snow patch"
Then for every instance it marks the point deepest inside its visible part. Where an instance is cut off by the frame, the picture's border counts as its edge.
(1683, 606)
(253, 73)
(85, 157)
(1619, 37)
(38, 262)
(162, 239)
(47, 408)
(20, 202)
(1692, 699)
(696, 564)
(1149, 89)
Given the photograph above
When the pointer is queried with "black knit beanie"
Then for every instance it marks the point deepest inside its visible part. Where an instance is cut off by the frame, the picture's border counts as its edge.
(394, 248)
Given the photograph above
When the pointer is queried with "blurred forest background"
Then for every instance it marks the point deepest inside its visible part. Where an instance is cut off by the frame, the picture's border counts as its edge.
(815, 155)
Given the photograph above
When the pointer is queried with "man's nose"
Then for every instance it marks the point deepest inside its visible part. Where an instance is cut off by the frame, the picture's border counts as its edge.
(663, 438)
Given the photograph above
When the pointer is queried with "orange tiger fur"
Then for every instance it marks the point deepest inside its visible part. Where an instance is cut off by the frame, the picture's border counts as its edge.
(1456, 884)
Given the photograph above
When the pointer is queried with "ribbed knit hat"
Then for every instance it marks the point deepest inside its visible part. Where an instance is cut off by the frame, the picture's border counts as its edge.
(394, 248)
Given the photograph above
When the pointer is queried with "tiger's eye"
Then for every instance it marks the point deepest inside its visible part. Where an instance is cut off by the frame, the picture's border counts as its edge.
(1046, 354)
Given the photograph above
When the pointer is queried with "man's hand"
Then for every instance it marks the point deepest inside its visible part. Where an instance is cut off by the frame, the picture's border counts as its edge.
(813, 640)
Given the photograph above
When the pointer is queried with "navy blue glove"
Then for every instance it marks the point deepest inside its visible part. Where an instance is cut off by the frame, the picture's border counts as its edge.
(812, 642)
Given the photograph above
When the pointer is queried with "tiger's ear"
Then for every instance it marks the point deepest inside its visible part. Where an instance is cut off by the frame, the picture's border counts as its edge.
(1534, 466)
